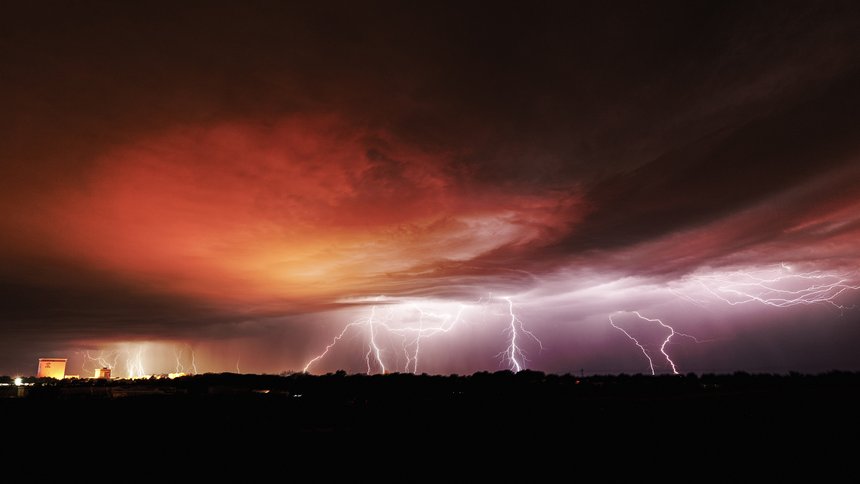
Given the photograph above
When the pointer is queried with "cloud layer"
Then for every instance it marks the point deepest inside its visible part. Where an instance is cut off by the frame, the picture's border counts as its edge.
(223, 174)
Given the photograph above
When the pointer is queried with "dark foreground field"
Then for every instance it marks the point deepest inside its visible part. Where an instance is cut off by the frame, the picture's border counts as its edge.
(710, 418)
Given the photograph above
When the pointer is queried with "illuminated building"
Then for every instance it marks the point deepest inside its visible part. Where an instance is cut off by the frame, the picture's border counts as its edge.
(103, 373)
(52, 368)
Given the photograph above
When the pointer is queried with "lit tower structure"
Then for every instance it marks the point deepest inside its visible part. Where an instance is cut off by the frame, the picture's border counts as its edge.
(102, 373)
(52, 368)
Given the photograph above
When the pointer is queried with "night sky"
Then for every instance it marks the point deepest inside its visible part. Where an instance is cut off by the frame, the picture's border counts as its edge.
(241, 180)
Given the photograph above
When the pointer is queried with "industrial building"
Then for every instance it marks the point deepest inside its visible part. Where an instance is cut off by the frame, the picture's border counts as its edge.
(52, 368)
(103, 373)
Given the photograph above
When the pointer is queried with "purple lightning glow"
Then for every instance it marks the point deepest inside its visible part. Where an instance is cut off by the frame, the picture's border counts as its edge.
(101, 360)
(411, 331)
(406, 335)
(666, 341)
(780, 287)
(514, 355)
(133, 361)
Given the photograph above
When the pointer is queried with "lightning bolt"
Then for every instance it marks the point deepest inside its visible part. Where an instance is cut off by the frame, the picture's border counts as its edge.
(373, 347)
(178, 352)
(411, 333)
(108, 359)
(330, 345)
(781, 287)
(514, 354)
(134, 363)
(666, 341)
(414, 358)
(180, 368)
(100, 360)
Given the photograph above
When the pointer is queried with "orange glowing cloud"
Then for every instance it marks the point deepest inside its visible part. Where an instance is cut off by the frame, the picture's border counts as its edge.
(306, 210)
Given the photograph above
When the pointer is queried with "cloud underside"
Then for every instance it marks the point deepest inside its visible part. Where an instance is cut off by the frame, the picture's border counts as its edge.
(177, 175)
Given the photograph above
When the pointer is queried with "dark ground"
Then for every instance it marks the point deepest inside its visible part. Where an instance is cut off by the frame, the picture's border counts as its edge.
(623, 422)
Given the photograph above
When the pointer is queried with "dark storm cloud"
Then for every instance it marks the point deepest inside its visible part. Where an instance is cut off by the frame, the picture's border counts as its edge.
(54, 298)
(663, 117)
(727, 170)
(526, 94)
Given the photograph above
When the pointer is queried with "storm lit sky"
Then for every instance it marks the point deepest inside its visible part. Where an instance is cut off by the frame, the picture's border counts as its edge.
(473, 185)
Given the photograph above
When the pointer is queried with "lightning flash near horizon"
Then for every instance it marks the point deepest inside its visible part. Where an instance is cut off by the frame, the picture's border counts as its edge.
(259, 191)
(406, 325)
(782, 286)
(132, 357)
(140, 360)
(393, 334)
(514, 355)
(663, 344)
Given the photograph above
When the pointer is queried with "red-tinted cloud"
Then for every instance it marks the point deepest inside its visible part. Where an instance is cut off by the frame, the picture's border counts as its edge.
(218, 172)
(306, 212)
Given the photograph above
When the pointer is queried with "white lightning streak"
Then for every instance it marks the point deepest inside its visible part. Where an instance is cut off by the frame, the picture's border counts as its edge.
(672, 333)
(331, 345)
(180, 368)
(635, 341)
(412, 333)
(783, 289)
(134, 364)
(100, 360)
(374, 348)
(514, 354)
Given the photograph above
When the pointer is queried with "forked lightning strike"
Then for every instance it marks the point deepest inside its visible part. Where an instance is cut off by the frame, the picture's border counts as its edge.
(410, 334)
(780, 287)
(180, 367)
(514, 354)
(672, 333)
(109, 359)
(100, 360)
(134, 363)
(373, 347)
(129, 362)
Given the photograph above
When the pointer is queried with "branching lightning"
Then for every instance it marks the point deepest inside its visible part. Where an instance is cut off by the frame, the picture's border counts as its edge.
(665, 343)
(332, 344)
(135, 360)
(101, 360)
(180, 368)
(382, 329)
(780, 287)
(134, 363)
(514, 355)
(373, 348)
(394, 333)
